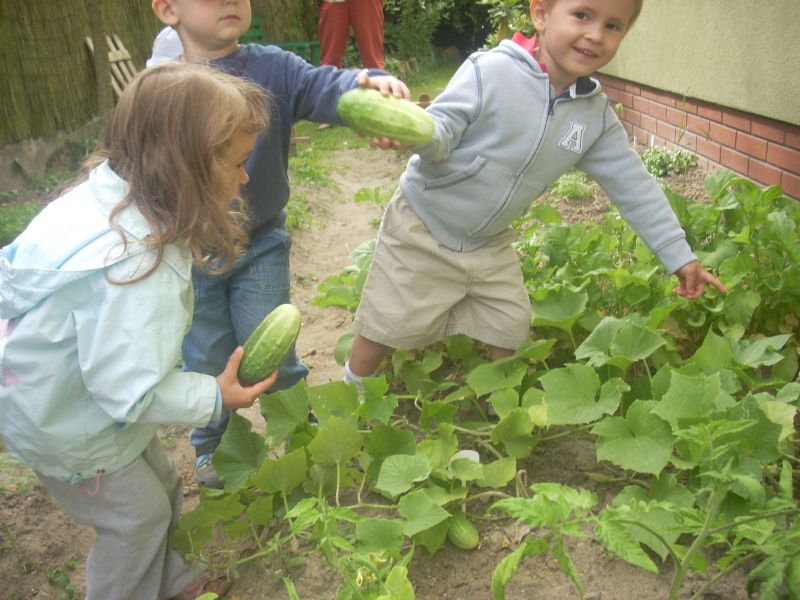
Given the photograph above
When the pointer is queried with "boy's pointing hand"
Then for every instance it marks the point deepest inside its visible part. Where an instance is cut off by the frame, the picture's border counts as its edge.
(693, 278)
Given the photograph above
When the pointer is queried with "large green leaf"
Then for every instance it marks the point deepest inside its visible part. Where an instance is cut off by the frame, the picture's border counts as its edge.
(385, 440)
(377, 404)
(504, 401)
(571, 395)
(618, 539)
(498, 473)
(535, 350)
(239, 453)
(439, 450)
(420, 512)
(376, 535)
(400, 472)
(597, 346)
(333, 399)
(640, 441)
(493, 376)
(397, 585)
(559, 309)
(515, 433)
(433, 538)
(634, 342)
(633, 504)
(715, 353)
(285, 410)
(337, 442)
(260, 511)
(283, 474)
(760, 352)
(689, 397)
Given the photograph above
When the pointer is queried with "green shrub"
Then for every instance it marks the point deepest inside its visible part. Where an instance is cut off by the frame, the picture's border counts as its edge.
(573, 185)
(14, 218)
(664, 163)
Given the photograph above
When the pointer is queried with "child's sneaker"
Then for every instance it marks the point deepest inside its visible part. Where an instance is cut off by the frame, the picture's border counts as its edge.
(205, 474)
(204, 585)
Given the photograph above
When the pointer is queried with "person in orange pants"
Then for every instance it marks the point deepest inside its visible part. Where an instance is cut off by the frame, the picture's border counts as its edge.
(335, 19)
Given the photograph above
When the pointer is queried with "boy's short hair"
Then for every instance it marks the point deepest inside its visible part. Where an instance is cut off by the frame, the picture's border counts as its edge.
(637, 8)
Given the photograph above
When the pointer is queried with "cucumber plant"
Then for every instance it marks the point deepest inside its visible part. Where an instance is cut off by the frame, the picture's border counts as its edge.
(691, 409)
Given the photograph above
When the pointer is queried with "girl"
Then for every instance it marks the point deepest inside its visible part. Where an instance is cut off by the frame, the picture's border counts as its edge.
(97, 296)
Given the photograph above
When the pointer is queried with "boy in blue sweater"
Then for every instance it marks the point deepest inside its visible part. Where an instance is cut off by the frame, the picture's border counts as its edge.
(510, 122)
(229, 307)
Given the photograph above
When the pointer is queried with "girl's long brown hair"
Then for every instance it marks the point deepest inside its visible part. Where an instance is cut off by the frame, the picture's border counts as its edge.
(166, 138)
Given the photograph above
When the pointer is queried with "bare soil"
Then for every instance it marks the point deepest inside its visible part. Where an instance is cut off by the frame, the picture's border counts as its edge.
(38, 538)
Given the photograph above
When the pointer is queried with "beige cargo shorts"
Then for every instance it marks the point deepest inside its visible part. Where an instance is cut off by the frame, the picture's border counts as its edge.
(417, 291)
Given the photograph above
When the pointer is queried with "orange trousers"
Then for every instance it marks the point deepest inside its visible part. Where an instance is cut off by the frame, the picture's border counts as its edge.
(366, 19)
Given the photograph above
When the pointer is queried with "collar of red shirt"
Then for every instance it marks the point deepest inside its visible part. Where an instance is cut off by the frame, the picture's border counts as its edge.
(530, 44)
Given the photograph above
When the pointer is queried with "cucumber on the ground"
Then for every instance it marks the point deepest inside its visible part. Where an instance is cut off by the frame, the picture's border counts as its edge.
(267, 346)
(461, 533)
(370, 113)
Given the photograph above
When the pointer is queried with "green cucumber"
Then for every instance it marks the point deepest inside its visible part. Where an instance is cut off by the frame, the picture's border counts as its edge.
(372, 114)
(461, 533)
(269, 344)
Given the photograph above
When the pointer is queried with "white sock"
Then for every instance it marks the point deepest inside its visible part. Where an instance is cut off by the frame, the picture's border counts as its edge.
(350, 377)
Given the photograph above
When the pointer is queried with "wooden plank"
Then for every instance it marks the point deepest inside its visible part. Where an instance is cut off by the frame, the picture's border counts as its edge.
(120, 63)
(127, 64)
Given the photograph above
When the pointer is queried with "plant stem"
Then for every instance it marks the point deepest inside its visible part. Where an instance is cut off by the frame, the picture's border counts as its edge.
(478, 432)
(361, 487)
(759, 517)
(566, 432)
(338, 483)
(488, 494)
(714, 503)
(374, 506)
(486, 444)
(731, 567)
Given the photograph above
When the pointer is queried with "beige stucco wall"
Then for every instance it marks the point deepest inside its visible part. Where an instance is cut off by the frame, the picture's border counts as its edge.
(743, 54)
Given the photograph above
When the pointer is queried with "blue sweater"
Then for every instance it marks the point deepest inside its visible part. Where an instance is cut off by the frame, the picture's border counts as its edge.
(297, 91)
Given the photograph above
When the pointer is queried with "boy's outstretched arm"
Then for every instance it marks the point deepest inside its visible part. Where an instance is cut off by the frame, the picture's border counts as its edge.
(693, 278)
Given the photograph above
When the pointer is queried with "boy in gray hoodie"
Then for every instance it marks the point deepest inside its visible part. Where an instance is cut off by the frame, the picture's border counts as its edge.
(509, 123)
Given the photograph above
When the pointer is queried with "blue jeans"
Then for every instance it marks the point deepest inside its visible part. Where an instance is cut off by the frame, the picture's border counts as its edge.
(227, 308)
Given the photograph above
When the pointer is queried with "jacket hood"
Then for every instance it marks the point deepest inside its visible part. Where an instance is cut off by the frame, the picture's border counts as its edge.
(69, 239)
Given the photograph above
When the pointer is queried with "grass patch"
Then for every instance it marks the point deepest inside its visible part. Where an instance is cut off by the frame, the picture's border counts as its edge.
(573, 185)
(432, 80)
(15, 217)
(14, 476)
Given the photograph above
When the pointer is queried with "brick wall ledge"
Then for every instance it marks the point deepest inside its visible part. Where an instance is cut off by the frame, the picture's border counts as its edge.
(764, 150)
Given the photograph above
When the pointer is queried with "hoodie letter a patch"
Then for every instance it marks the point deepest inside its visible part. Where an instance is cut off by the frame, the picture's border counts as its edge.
(573, 139)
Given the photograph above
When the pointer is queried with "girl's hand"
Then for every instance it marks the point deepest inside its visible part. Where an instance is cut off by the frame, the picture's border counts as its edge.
(388, 85)
(693, 278)
(234, 394)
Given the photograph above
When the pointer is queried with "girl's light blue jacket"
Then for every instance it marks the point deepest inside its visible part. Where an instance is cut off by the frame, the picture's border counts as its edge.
(90, 368)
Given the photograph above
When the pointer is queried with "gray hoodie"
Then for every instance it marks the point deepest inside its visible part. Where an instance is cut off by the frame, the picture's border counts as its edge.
(501, 139)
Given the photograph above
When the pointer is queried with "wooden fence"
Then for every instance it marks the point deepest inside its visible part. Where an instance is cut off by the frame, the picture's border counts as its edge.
(46, 70)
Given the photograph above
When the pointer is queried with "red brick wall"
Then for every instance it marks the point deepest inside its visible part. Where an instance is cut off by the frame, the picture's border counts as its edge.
(764, 150)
